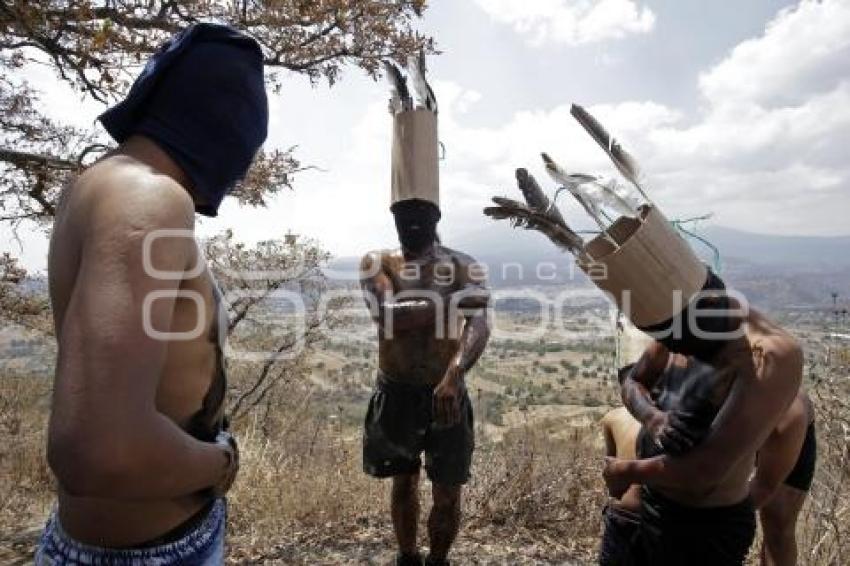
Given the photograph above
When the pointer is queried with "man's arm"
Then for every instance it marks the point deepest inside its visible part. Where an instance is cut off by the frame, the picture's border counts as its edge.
(106, 437)
(386, 312)
(665, 428)
(608, 436)
(473, 299)
(779, 453)
(757, 401)
(473, 340)
(637, 383)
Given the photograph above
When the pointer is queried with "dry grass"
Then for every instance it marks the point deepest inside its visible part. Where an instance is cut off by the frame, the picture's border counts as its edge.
(307, 475)
(301, 485)
(26, 485)
(824, 525)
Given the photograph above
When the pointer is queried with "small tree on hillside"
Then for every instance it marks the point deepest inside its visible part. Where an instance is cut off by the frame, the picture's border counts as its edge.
(257, 281)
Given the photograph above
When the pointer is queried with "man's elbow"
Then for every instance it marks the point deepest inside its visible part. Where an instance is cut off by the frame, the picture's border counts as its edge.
(88, 466)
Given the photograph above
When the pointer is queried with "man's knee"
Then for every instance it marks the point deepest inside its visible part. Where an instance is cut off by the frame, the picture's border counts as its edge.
(446, 498)
(405, 487)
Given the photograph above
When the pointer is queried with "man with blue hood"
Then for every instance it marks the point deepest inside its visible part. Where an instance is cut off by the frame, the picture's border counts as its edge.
(137, 437)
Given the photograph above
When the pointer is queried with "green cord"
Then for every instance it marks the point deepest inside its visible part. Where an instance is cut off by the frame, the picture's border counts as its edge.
(716, 263)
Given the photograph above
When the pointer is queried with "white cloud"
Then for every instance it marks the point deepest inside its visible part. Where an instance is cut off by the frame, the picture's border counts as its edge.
(767, 152)
(572, 22)
(804, 49)
(767, 155)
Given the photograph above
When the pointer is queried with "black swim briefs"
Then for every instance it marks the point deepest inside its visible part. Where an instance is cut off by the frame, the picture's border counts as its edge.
(804, 470)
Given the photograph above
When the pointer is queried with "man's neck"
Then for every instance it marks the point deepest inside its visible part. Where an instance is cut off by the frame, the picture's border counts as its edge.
(425, 253)
(146, 151)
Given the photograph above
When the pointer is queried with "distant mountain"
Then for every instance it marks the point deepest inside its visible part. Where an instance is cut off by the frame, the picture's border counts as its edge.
(497, 241)
(811, 251)
(776, 271)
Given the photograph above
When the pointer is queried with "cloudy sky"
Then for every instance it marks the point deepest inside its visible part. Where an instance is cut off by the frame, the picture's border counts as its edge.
(740, 109)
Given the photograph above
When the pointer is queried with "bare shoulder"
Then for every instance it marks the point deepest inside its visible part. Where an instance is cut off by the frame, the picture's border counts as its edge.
(615, 416)
(458, 257)
(370, 260)
(118, 194)
(776, 353)
(775, 344)
(471, 271)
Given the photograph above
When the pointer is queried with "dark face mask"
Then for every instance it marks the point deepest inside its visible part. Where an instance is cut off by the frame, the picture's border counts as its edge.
(416, 223)
(679, 335)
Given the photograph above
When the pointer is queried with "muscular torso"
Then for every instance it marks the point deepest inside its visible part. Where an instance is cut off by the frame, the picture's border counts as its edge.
(421, 355)
(192, 369)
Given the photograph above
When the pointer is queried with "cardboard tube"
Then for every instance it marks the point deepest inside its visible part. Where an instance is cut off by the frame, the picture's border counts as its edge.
(652, 275)
(415, 157)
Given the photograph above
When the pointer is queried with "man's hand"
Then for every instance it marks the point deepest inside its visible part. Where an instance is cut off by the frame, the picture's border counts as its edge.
(447, 398)
(228, 443)
(669, 433)
(615, 478)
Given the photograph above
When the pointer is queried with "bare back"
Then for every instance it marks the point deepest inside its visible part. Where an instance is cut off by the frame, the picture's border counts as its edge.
(91, 226)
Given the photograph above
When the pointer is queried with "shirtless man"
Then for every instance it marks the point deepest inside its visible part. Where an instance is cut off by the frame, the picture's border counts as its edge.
(136, 437)
(429, 304)
(695, 504)
(784, 472)
(621, 516)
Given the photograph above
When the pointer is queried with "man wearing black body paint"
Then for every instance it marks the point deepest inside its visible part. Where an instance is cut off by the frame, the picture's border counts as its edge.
(429, 305)
(137, 436)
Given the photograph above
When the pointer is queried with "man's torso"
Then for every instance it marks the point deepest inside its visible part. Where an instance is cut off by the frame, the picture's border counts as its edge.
(191, 368)
(696, 392)
(422, 355)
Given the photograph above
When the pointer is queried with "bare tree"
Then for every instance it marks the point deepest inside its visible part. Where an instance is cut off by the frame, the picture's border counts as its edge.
(98, 46)
(260, 283)
(28, 308)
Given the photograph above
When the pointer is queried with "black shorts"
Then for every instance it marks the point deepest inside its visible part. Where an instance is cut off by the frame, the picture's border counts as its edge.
(620, 530)
(672, 534)
(804, 470)
(400, 427)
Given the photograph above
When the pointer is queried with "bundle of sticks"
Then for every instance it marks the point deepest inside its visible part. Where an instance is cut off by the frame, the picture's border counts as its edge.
(597, 196)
